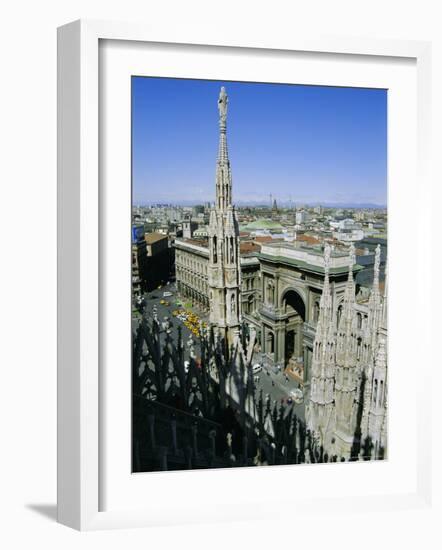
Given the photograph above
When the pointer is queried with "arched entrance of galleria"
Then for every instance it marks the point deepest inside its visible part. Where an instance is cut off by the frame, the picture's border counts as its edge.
(283, 328)
(294, 310)
(292, 279)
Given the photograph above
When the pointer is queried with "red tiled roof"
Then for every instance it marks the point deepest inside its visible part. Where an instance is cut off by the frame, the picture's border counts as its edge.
(154, 237)
(264, 239)
(308, 239)
(198, 242)
(249, 246)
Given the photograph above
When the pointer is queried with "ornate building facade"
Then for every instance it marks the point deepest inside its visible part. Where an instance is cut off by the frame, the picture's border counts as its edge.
(347, 408)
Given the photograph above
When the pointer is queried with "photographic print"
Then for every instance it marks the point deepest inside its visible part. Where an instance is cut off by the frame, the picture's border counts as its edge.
(259, 286)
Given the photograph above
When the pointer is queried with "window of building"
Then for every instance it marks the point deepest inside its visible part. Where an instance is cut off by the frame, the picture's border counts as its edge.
(215, 252)
(316, 312)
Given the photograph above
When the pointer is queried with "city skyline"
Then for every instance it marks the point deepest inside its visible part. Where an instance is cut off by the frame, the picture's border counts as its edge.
(318, 145)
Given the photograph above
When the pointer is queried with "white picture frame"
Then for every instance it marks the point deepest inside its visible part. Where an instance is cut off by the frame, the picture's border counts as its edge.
(80, 205)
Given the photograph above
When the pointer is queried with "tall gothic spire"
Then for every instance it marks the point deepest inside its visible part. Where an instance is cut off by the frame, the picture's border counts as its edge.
(347, 373)
(325, 320)
(223, 173)
(378, 409)
(374, 417)
(374, 309)
(345, 345)
(385, 300)
(377, 264)
(320, 410)
(224, 274)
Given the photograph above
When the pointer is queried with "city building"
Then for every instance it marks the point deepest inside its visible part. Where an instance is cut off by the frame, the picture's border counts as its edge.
(139, 261)
(158, 259)
(151, 260)
(301, 217)
(189, 226)
(201, 232)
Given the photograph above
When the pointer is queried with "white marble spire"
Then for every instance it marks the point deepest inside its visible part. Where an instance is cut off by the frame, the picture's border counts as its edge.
(320, 409)
(224, 273)
(223, 172)
(325, 320)
(346, 345)
(378, 408)
(376, 267)
(384, 321)
(374, 309)
(347, 372)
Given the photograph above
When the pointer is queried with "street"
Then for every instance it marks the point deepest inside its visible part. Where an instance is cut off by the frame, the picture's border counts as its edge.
(279, 389)
(272, 381)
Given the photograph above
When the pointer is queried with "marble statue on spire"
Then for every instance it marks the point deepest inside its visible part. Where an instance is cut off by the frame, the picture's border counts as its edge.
(222, 105)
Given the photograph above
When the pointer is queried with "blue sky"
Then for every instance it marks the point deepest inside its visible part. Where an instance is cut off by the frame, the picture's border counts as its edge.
(307, 144)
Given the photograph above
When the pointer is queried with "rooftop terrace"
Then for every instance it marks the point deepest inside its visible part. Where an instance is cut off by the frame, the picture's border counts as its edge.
(307, 256)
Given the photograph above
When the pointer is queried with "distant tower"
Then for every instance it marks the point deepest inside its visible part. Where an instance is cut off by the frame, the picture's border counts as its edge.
(187, 227)
(224, 259)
